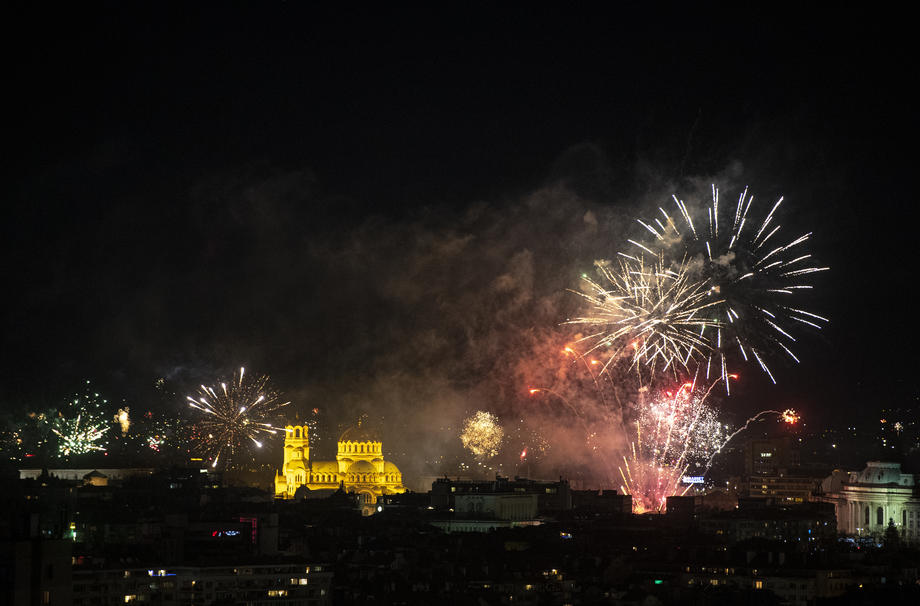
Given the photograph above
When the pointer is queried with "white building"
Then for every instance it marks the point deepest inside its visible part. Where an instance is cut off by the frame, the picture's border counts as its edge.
(869, 499)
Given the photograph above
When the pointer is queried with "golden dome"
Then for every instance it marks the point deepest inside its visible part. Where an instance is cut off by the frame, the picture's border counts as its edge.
(358, 433)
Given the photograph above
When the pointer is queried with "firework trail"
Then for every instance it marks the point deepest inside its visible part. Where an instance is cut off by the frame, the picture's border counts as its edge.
(654, 315)
(236, 415)
(673, 432)
(752, 275)
(788, 416)
(482, 434)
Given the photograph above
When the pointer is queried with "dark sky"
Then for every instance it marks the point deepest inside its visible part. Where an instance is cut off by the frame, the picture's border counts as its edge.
(389, 207)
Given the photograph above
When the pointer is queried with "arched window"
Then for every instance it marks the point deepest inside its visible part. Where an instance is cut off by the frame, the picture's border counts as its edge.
(904, 518)
(296, 432)
(362, 448)
(867, 515)
(879, 516)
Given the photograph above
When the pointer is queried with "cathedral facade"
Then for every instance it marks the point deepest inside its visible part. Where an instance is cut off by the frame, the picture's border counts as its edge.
(358, 468)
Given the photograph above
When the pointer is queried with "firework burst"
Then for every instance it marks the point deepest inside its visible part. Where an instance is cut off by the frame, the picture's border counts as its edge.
(236, 416)
(752, 274)
(482, 434)
(77, 436)
(674, 432)
(80, 423)
(654, 315)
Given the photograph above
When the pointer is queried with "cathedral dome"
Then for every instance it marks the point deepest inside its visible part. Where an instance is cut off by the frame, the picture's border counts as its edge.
(362, 467)
(390, 468)
(358, 433)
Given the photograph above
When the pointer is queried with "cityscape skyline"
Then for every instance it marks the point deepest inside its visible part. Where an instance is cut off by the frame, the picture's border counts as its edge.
(381, 236)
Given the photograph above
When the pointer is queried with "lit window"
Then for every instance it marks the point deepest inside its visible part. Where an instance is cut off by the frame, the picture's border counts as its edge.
(130, 598)
(758, 584)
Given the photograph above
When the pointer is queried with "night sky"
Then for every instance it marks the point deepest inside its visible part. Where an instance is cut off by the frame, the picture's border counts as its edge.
(388, 208)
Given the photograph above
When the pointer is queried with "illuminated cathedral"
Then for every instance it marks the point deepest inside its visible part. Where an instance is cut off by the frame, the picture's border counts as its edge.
(358, 467)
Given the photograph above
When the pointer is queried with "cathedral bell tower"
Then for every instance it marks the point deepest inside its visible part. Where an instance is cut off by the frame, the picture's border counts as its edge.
(296, 441)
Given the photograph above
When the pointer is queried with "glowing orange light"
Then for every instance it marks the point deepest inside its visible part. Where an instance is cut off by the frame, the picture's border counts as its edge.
(568, 350)
(790, 416)
(533, 391)
(595, 362)
(523, 453)
(733, 376)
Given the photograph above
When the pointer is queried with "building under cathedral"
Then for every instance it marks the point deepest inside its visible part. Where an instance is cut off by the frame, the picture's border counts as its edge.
(358, 467)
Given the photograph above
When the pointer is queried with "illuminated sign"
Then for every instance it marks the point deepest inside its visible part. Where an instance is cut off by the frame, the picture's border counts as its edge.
(693, 480)
(225, 533)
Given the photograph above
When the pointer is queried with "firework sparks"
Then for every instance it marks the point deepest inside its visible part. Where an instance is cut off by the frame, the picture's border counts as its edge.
(790, 416)
(672, 433)
(80, 423)
(482, 434)
(236, 415)
(753, 277)
(155, 441)
(77, 436)
(123, 420)
(655, 315)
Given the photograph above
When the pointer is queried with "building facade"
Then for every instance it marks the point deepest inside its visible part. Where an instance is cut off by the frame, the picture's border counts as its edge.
(871, 499)
(358, 468)
(274, 584)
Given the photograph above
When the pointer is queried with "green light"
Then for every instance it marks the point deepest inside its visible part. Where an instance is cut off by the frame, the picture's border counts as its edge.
(658, 581)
